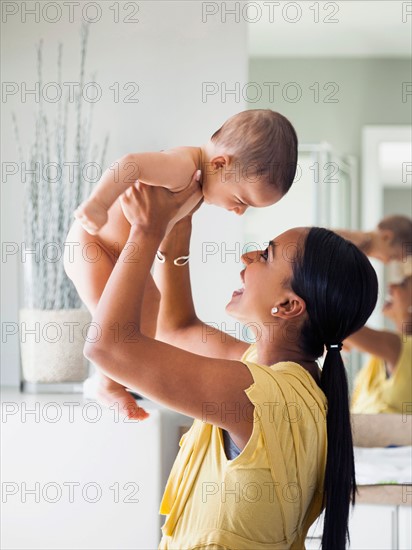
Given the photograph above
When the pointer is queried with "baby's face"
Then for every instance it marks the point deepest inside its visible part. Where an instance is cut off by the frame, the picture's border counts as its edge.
(388, 251)
(236, 194)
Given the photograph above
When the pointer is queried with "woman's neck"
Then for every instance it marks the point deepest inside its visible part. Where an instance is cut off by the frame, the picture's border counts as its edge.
(270, 353)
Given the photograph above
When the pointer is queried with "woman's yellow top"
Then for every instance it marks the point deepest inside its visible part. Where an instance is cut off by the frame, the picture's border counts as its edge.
(374, 393)
(269, 495)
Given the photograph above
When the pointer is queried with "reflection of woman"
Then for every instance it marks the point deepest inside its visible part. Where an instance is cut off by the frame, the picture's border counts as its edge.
(388, 242)
(384, 385)
(269, 398)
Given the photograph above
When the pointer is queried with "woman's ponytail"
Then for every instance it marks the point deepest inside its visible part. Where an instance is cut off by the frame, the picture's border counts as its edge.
(340, 289)
(340, 490)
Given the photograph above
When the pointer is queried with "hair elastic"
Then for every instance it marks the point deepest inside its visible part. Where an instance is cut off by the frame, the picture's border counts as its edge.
(334, 346)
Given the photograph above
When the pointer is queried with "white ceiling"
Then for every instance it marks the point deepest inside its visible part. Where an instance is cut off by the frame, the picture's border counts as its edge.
(365, 28)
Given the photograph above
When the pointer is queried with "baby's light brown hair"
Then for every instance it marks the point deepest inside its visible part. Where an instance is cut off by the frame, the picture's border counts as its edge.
(401, 226)
(264, 142)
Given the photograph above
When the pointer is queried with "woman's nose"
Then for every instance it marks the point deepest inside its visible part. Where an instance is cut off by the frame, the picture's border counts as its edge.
(249, 257)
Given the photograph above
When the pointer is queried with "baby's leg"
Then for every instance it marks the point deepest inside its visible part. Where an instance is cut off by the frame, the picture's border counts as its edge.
(92, 214)
(90, 278)
(89, 267)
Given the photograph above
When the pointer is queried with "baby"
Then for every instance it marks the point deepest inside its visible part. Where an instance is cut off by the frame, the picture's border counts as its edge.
(250, 161)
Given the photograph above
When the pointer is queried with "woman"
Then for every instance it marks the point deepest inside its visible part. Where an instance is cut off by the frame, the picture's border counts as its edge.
(270, 398)
(389, 241)
(384, 385)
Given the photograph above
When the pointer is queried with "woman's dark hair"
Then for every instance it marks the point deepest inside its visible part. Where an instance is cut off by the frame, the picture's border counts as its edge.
(340, 288)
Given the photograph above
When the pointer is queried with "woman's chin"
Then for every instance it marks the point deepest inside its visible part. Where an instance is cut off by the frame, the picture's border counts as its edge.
(387, 308)
(232, 308)
(389, 313)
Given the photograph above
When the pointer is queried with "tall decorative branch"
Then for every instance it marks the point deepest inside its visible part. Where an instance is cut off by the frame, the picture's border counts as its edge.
(53, 189)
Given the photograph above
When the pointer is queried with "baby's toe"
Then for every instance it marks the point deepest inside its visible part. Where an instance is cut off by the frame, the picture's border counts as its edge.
(139, 414)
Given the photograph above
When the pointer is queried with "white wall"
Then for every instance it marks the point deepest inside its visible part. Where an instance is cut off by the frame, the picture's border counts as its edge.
(332, 99)
(169, 53)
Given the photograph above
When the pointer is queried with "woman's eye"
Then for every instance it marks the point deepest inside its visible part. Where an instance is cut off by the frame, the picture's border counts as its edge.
(264, 254)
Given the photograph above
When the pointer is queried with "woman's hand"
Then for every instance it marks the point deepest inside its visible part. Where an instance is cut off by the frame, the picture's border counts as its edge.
(158, 208)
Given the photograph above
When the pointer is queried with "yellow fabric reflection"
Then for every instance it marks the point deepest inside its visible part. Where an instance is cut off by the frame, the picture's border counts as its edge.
(374, 393)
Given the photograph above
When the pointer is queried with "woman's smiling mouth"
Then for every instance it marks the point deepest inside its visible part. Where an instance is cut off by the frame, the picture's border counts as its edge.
(240, 290)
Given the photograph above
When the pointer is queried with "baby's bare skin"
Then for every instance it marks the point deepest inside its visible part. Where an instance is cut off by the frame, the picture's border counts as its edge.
(172, 169)
(89, 279)
(92, 215)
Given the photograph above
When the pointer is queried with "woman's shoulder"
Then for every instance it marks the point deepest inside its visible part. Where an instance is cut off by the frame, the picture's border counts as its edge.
(406, 339)
(283, 382)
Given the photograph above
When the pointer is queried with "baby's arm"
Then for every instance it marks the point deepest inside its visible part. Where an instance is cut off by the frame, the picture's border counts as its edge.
(159, 168)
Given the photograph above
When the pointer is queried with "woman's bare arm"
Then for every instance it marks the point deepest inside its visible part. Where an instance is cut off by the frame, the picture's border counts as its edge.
(177, 322)
(186, 382)
(201, 387)
(381, 343)
(90, 277)
(362, 239)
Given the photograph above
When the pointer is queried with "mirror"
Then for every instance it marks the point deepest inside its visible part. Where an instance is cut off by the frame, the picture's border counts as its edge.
(387, 177)
(355, 146)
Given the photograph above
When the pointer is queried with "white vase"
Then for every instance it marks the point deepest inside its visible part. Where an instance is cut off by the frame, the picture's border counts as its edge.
(51, 344)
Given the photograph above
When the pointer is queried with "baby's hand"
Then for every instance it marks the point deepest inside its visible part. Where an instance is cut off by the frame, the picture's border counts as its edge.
(91, 215)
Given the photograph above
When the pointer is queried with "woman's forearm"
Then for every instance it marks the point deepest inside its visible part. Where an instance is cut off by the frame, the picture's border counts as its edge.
(150, 308)
(119, 311)
(176, 309)
(381, 343)
(362, 239)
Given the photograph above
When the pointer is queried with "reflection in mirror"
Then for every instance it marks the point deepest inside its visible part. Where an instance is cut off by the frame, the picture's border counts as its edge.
(385, 189)
(384, 383)
(395, 162)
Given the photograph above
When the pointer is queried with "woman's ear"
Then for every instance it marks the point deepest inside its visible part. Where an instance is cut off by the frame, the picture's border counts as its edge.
(291, 308)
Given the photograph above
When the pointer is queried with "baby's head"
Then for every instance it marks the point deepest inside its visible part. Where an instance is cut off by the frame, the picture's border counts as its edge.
(393, 238)
(251, 161)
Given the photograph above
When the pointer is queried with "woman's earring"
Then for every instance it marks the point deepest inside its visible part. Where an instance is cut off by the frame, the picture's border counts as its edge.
(274, 310)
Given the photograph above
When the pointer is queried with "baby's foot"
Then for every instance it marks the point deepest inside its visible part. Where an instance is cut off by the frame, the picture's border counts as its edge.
(91, 215)
(110, 393)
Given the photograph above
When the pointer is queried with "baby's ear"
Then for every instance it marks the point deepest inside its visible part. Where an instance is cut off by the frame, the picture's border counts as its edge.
(387, 235)
(220, 161)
